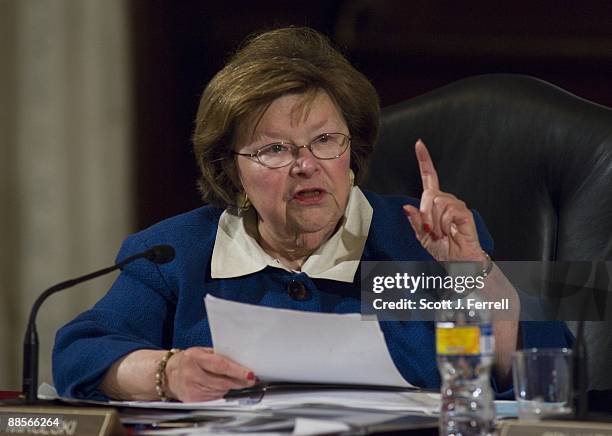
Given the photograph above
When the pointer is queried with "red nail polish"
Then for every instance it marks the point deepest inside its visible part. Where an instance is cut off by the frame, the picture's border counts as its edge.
(426, 228)
(250, 376)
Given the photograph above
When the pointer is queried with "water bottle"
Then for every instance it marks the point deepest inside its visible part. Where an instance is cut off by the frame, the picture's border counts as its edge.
(465, 351)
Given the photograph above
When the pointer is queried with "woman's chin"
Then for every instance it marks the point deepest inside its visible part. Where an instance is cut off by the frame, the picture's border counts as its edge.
(314, 221)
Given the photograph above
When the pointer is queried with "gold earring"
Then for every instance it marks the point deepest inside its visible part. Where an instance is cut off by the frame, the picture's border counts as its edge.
(351, 177)
(243, 202)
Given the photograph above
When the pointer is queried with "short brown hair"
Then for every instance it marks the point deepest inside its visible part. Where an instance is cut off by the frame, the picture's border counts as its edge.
(269, 65)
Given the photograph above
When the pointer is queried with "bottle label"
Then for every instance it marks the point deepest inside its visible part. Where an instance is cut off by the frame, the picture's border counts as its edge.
(462, 340)
(467, 340)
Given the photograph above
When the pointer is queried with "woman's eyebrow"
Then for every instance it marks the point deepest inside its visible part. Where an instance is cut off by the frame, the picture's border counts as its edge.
(315, 130)
(270, 135)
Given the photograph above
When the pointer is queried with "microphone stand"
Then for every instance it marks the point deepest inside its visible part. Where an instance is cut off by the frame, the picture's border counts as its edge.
(158, 254)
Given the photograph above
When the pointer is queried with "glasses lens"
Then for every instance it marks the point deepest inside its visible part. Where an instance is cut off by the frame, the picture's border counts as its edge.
(329, 145)
(275, 155)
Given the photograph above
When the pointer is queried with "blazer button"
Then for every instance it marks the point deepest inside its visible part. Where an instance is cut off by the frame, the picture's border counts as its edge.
(297, 290)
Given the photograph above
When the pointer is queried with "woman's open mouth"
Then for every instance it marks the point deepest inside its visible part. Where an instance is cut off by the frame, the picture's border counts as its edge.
(309, 196)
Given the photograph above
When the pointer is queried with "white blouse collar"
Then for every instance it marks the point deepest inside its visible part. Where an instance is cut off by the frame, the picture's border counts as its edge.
(237, 253)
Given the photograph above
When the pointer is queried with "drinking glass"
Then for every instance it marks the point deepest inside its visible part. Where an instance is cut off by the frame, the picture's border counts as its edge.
(543, 382)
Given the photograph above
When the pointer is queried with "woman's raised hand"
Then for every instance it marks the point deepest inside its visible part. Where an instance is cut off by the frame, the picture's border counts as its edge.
(443, 223)
(198, 374)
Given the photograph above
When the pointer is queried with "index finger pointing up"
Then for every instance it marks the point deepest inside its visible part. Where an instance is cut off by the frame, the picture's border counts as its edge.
(429, 176)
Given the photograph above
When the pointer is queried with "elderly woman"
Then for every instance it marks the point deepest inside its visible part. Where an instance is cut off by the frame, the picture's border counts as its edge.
(282, 136)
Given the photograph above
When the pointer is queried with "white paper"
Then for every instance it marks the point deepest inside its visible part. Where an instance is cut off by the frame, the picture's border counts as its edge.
(233, 405)
(410, 402)
(311, 426)
(415, 402)
(47, 392)
(298, 346)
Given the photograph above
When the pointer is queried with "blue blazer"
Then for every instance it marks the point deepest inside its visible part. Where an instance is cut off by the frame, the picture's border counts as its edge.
(161, 306)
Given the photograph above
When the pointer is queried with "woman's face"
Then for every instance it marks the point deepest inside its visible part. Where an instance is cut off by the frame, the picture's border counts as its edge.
(309, 195)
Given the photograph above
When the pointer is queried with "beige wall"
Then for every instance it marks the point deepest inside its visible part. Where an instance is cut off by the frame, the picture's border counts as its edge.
(65, 183)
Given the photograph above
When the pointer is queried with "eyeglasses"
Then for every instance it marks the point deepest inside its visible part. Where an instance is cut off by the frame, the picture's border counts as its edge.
(280, 154)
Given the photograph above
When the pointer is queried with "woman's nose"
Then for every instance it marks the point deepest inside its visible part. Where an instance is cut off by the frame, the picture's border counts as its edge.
(305, 162)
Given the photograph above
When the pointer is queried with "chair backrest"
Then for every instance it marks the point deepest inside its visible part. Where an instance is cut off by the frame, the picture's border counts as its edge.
(533, 159)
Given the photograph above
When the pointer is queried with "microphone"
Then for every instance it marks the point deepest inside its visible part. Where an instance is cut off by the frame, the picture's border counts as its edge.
(158, 254)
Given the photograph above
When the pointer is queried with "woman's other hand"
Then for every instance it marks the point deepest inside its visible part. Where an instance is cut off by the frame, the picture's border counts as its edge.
(198, 374)
(195, 374)
(443, 223)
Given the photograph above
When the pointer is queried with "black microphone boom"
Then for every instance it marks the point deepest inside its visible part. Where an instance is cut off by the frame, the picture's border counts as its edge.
(158, 254)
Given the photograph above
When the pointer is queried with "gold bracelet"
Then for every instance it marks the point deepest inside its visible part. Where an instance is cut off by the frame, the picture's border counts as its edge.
(160, 374)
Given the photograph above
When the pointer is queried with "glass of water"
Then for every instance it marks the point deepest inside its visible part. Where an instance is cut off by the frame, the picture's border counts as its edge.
(543, 382)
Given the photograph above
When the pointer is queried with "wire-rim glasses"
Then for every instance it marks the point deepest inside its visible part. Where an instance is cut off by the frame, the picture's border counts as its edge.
(326, 146)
